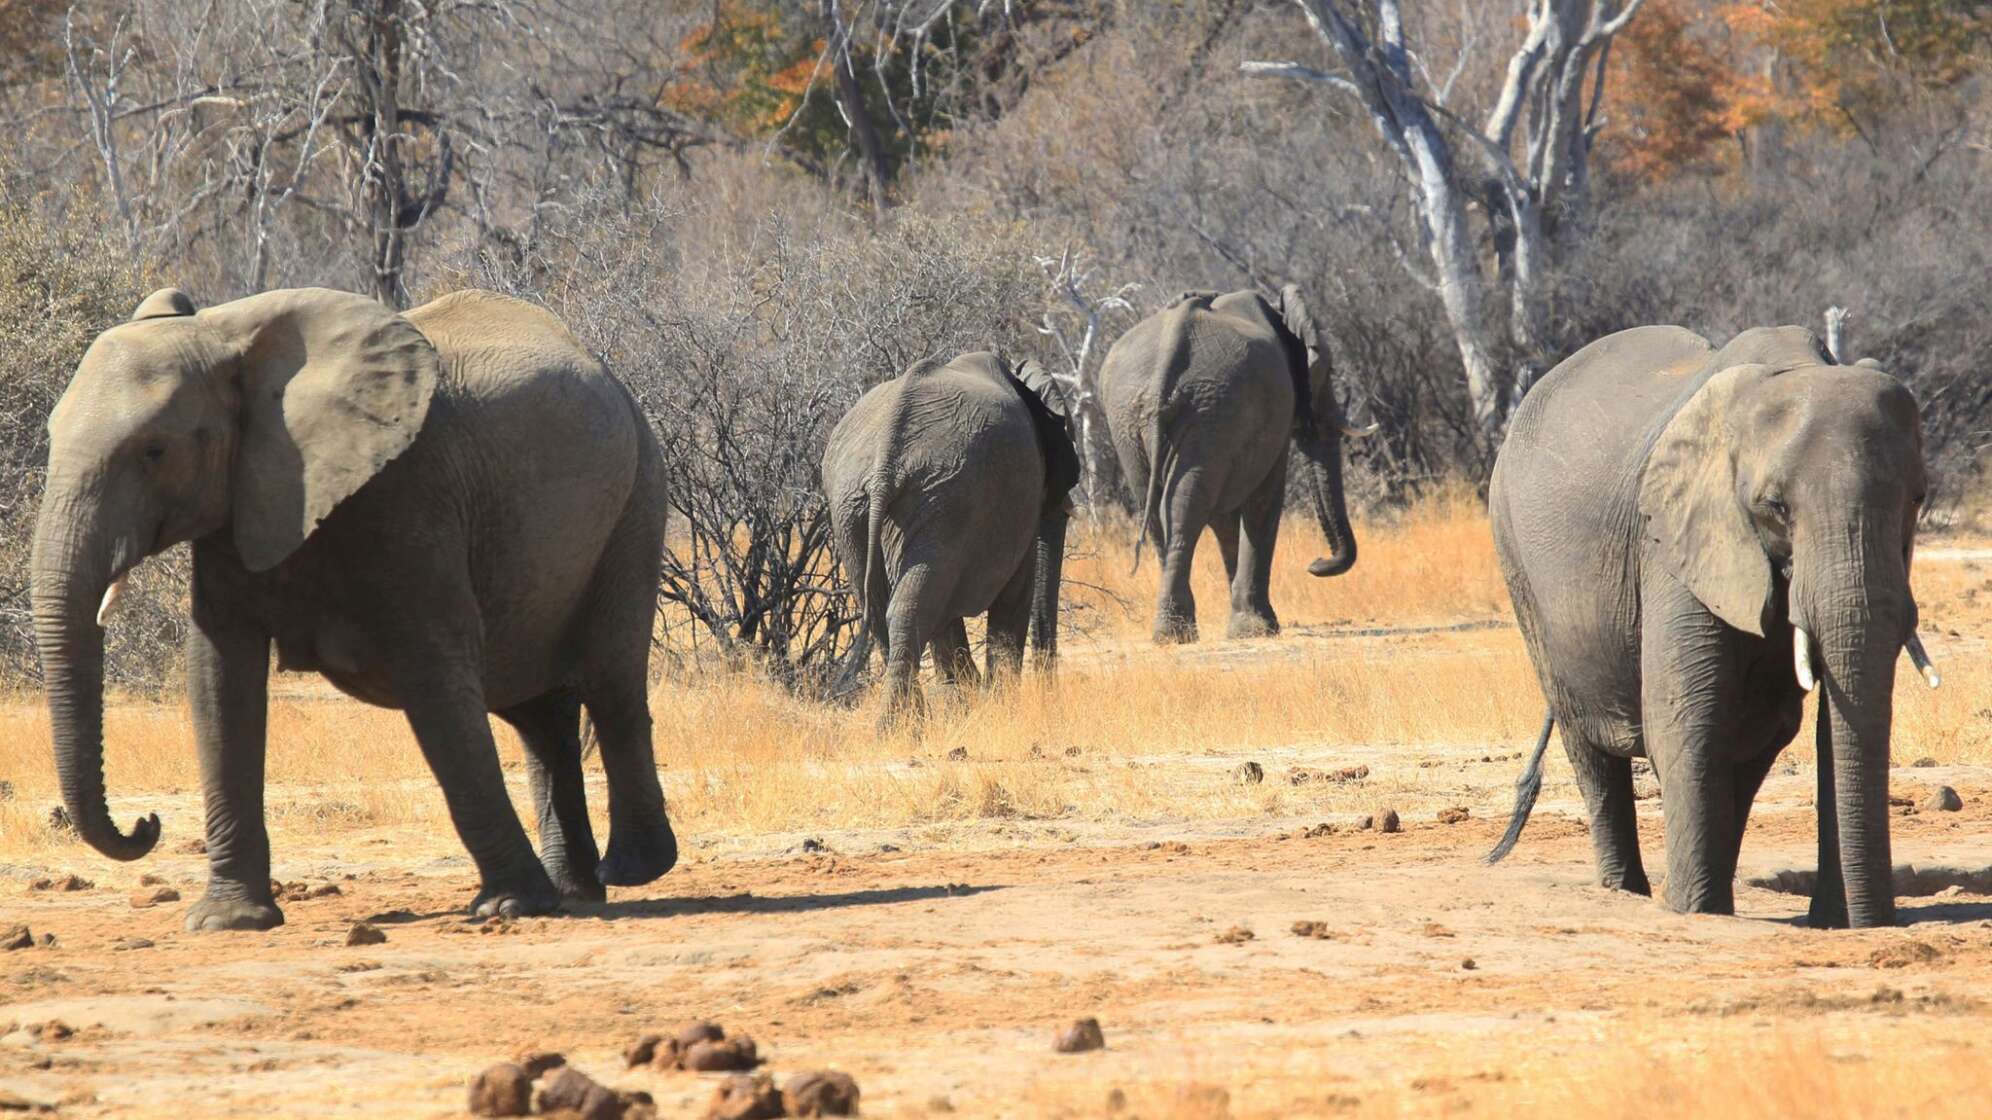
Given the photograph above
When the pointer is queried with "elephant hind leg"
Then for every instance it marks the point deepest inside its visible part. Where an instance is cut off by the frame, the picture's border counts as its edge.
(913, 618)
(1251, 582)
(1186, 500)
(953, 658)
(548, 725)
(1606, 782)
(1010, 623)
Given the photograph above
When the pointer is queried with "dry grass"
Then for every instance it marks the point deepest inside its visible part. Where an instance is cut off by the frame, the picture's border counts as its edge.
(1126, 732)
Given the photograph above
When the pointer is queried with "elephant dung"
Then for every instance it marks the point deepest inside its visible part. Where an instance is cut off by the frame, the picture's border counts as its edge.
(16, 937)
(719, 1055)
(1387, 821)
(503, 1090)
(145, 899)
(539, 1063)
(1249, 774)
(744, 1097)
(1081, 1036)
(643, 1051)
(62, 883)
(364, 934)
(1454, 815)
(1943, 799)
(573, 1091)
(822, 1093)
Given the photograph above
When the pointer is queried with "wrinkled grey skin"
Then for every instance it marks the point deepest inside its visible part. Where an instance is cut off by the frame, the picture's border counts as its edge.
(450, 512)
(948, 489)
(1665, 513)
(1202, 398)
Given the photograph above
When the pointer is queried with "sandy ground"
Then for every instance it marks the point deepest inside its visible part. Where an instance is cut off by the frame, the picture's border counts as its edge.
(938, 978)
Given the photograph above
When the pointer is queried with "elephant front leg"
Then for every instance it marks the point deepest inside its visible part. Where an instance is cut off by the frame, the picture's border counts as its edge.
(548, 727)
(228, 667)
(445, 705)
(1690, 683)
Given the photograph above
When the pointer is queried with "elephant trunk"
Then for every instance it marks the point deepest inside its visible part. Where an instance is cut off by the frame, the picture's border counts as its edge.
(70, 578)
(1859, 632)
(1050, 563)
(1321, 448)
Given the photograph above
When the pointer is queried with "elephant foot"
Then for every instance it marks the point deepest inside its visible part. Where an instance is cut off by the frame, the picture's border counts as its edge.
(638, 856)
(1251, 624)
(1828, 912)
(1175, 631)
(1631, 884)
(219, 912)
(574, 882)
(517, 900)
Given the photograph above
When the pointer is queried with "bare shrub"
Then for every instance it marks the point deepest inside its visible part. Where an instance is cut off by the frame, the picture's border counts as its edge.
(745, 341)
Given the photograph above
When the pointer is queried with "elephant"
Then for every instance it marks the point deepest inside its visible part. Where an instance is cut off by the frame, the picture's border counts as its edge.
(949, 494)
(1201, 399)
(1694, 539)
(451, 512)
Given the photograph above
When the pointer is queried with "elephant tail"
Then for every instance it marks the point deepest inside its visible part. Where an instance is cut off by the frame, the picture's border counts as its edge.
(1151, 498)
(1526, 788)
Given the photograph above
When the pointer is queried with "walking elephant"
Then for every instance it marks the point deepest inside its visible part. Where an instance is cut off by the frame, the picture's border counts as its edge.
(1694, 539)
(451, 511)
(1202, 399)
(948, 490)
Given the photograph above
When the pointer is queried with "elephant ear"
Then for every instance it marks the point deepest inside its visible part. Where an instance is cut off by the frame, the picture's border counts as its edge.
(166, 303)
(334, 386)
(1696, 523)
(1046, 404)
(1301, 339)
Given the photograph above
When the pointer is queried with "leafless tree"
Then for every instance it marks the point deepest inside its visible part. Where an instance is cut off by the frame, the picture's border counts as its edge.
(1549, 101)
(1073, 321)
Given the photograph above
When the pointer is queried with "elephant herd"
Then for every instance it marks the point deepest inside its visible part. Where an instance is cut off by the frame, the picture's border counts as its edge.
(456, 511)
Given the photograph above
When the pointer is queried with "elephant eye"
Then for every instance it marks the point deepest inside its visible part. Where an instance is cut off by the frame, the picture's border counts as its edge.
(154, 452)
(1778, 509)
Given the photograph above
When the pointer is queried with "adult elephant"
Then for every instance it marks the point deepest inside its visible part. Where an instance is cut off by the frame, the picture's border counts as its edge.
(451, 511)
(948, 490)
(1202, 399)
(1693, 538)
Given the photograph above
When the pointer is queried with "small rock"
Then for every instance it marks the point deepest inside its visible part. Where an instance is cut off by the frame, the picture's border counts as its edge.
(643, 1051)
(1236, 935)
(47, 941)
(153, 896)
(1924, 763)
(1943, 799)
(128, 944)
(1249, 774)
(1318, 831)
(365, 934)
(1081, 1036)
(1313, 930)
(940, 1103)
(62, 883)
(502, 1090)
(1468, 964)
(539, 1063)
(1454, 815)
(721, 1055)
(1434, 929)
(1387, 821)
(742, 1097)
(1365, 823)
(1151, 845)
(576, 1092)
(823, 1093)
(1116, 1099)
(1350, 774)
(11, 1101)
(150, 880)
(959, 754)
(16, 937)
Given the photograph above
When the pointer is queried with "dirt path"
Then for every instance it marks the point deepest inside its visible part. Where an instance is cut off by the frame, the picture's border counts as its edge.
(937, 979)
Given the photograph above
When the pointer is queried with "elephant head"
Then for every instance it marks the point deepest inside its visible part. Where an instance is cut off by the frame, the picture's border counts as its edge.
(1318, 427)
(1051, 415)
(1783, 494)
(253, 418)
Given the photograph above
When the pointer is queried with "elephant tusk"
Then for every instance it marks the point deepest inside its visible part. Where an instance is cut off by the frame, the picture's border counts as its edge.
(1801, 658)
(1921, 658)
(111, 596)
(1354, 432)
